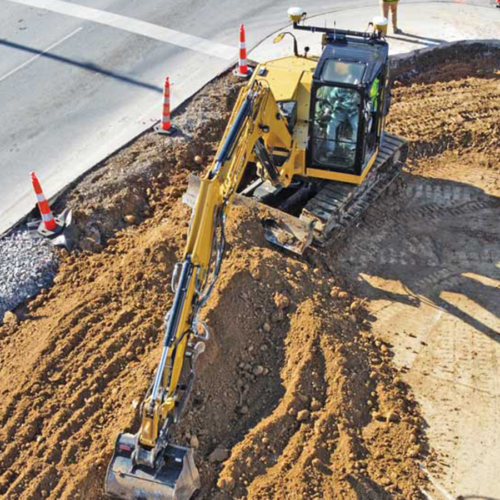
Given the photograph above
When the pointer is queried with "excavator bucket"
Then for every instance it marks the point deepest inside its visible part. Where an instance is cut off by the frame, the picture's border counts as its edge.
(174, 478)
(288, 232)
(280, 228)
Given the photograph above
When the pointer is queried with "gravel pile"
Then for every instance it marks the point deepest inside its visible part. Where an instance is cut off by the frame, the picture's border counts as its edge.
(27, 264)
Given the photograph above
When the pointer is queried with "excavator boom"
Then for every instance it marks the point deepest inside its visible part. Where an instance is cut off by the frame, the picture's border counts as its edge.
(147, 465)
(306, 139)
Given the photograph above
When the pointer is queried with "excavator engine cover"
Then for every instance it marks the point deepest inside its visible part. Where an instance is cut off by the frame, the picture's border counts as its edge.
(175, 477)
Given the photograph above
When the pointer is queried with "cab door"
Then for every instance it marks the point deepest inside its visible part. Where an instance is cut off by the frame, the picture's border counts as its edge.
(334, 127)
(374, 114)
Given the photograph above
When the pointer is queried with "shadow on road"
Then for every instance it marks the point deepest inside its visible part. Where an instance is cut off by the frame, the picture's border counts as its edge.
(82, 65)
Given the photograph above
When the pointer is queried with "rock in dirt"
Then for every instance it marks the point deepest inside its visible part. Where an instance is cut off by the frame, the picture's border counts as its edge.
(303, 415)
(258, 370)
(10, 318)
(281, 300)
(393, 416)
(194, 442)
(355, 306)
(315, 405)
(130, 219)
(226, 483)
(277, 316)
(218, 455)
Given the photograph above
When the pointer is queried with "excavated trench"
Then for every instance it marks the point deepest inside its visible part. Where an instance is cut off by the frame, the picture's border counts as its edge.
(296, 397)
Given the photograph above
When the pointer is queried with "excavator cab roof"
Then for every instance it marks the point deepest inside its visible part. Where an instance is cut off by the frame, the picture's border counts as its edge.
(351, 61)
(349, 58)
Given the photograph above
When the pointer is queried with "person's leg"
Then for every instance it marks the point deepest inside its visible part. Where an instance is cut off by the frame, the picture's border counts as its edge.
(394, 15)
(331, 134)
(353, 121)
(332, 130)
(385, 9)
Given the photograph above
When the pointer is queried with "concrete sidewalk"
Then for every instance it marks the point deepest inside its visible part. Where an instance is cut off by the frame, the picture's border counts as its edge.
(424, 26)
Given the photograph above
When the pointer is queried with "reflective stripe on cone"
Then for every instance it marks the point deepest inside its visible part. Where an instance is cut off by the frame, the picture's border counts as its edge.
(47, 217)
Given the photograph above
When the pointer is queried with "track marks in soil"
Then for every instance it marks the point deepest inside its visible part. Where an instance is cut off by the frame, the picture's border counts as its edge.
(63, 406)
(436, 300)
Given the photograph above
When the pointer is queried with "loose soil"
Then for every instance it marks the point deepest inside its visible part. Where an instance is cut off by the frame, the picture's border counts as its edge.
(427, 260)
(296, 392)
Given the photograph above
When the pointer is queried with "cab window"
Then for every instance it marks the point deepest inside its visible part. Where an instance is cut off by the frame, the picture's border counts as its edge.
(342, 72)
(335, 126)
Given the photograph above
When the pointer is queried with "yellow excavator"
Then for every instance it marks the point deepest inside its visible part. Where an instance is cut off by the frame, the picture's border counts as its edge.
(306, 139)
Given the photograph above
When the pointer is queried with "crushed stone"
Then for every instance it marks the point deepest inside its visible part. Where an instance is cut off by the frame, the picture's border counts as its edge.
(28, 263)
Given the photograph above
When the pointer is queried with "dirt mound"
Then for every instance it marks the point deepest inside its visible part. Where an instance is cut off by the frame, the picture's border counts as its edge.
(448, 100)
(295, 397)
(291, 370)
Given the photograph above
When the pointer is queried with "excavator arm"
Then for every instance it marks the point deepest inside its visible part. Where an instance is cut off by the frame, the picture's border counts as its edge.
(147, 466)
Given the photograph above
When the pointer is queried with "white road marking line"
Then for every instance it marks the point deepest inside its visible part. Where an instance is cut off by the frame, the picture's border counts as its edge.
(15, 70)
(438, 487)
(136, 26)
(426, 494)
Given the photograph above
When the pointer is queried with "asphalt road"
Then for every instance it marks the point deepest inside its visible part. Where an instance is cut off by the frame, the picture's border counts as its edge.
(80, 79)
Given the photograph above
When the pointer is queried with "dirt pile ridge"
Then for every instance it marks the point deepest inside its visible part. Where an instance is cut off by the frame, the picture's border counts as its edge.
(288, 362)
(295, 395)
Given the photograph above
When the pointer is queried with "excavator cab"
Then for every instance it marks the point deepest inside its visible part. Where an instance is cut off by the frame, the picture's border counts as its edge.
(348, 105)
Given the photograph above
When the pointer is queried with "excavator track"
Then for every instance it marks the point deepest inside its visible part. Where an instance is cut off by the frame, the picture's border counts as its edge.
(338, 206)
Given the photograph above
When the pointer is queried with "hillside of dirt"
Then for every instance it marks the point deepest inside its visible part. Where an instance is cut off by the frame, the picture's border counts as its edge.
(295, 393)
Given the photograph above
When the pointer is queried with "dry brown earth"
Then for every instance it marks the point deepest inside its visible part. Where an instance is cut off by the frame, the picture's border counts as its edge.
(294, 384)
(427, 259)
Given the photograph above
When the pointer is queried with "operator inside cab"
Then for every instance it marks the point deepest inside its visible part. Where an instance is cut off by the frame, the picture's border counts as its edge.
(338, 107)
(337, 114)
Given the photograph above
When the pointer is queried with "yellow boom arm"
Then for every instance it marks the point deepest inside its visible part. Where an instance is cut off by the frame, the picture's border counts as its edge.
(255, 128)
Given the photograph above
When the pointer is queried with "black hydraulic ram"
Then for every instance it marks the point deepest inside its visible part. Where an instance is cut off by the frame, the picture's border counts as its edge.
(172, 323)
(227, 148)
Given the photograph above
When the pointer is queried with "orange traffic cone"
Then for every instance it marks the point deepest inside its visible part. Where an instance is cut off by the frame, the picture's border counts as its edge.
(47, 218)
(59, 230)
(166, 126)
(243, 69)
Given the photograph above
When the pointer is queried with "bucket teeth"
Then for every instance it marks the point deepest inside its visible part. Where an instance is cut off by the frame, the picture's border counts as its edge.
(174, 478)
